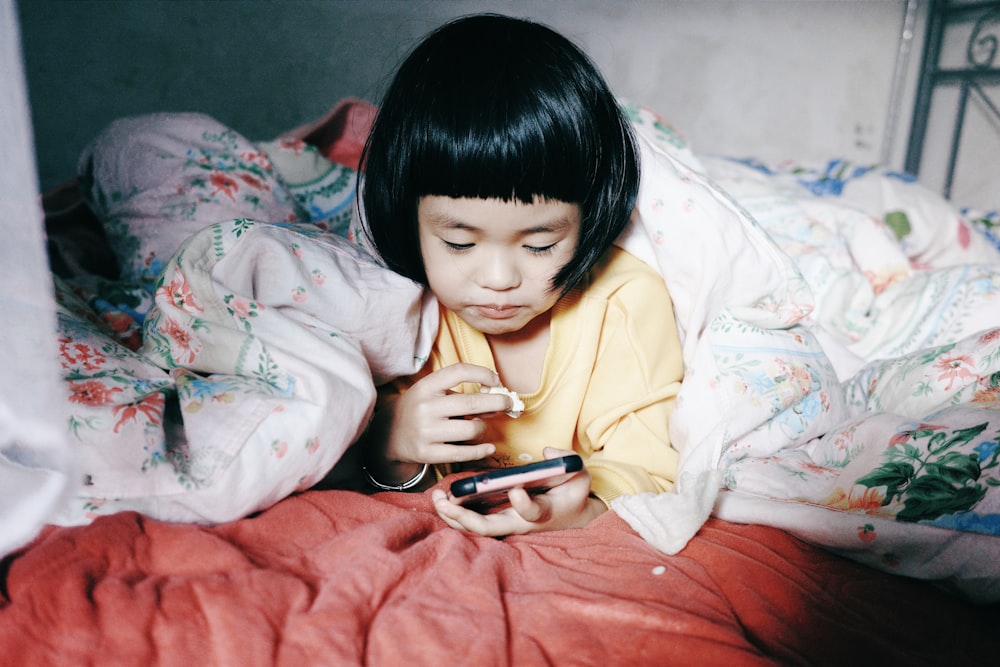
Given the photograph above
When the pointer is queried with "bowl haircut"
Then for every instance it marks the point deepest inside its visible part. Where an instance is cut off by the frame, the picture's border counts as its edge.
(493, 107)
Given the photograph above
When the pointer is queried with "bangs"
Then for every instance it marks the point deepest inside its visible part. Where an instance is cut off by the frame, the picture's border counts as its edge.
(498, 148)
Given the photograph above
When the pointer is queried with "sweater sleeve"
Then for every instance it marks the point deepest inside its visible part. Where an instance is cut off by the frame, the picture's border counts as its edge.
(624, 424)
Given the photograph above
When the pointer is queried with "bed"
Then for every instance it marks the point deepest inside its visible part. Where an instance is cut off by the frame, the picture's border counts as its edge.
(840, 419)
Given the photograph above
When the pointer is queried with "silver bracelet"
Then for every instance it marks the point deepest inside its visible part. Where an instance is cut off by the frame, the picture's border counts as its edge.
(408, 484)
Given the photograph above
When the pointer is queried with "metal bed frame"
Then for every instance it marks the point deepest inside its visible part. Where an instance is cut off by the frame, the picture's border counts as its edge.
(977, 77)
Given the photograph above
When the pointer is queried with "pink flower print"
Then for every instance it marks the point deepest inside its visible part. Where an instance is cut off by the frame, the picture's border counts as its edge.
(989, 337)
(318, 276)
(92, 506)
(92, 392)
(884, 279)
(225, 185)
(312, 444)
(241, 307)
(299, 295)
(657, 205)
(800, 378)
(688, 205)
(900, 438)
(954, 368)
(257, 157)
(963, 234)
(904, 436)
(150, 406)
(179, 293)
(279, 448)
(80, 354)
(254, 182)
(297, 250)
(184, 346)
(294, 145)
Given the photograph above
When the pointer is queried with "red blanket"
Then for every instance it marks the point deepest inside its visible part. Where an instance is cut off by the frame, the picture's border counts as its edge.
(341, 578)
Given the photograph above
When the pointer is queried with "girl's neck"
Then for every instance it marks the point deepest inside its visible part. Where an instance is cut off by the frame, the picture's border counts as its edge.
(519, 356)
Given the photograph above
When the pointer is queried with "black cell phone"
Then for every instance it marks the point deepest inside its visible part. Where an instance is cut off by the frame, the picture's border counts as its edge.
(488, 490)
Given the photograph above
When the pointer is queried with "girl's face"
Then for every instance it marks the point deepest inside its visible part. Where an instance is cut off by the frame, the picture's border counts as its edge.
(492, 261)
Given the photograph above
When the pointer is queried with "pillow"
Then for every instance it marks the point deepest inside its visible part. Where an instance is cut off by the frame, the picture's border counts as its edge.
(324, 190)
(154, 180)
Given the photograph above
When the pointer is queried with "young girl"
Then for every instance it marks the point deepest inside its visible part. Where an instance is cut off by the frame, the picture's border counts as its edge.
(498, 173)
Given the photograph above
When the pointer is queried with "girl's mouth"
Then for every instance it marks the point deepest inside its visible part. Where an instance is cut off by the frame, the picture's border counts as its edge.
(497, 312)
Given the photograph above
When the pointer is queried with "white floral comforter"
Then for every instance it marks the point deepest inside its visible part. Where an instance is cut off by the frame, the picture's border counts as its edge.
(841, 333)
(236, 361)
(843, 352)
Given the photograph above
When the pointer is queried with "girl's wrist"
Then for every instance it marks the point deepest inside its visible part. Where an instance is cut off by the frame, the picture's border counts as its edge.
(396, 476)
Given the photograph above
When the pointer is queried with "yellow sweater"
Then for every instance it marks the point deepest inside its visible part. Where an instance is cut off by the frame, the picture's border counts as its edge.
(611, 372)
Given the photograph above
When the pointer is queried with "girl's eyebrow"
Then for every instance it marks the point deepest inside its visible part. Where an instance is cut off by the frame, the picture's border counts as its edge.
(445, 220)
(554, 225)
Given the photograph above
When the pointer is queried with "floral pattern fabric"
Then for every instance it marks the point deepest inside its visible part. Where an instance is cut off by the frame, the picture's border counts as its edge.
(198, 391)
(853, 397)
(257, 372)
(154, 180)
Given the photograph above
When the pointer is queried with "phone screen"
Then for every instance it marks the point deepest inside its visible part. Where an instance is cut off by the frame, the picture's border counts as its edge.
(488, 490)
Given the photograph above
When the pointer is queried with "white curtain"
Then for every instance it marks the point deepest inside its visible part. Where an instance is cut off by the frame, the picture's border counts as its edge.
(35, 460)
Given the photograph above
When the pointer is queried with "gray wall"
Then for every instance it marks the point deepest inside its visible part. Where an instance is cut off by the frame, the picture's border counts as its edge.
(805, 79)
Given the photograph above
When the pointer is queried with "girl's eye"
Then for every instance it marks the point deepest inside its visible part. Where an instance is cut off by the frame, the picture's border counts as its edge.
(457, 247)
(541, 250)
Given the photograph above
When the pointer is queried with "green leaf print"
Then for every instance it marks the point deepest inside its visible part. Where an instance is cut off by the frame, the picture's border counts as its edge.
(899, 223)
(993, 381)
(894, 475)
(241, 225)
(941, 477)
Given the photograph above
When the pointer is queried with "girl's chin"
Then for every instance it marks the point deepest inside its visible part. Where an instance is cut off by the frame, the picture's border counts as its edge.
(493, 327)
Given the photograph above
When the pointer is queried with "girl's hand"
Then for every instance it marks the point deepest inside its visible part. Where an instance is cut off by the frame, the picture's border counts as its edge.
(568, 505)
(424, 424)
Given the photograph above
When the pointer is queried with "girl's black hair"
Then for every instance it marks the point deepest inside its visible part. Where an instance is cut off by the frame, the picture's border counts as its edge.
(490, 106)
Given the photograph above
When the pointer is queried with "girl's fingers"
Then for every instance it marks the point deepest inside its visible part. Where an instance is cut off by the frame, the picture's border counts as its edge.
(532, 510)
(489, 525)
(460, 405)
(445, 453)
(440, 381)
(435, 393)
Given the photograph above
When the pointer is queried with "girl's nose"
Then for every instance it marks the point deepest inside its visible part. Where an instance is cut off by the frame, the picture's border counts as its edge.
(498, 272)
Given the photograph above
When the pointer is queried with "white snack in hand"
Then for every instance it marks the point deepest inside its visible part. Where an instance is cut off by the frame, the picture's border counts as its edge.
(516, 404)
